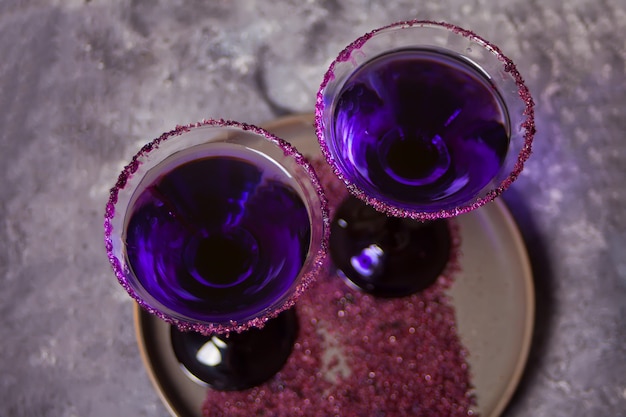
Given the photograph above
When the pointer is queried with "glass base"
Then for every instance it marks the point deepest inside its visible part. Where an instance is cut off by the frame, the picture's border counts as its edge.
(387, 256)
(237, 361)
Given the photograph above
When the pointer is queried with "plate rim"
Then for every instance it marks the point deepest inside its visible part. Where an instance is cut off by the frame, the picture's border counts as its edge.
(529, 317)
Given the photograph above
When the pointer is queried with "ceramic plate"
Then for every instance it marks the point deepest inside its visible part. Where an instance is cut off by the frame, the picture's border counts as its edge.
(493, 297)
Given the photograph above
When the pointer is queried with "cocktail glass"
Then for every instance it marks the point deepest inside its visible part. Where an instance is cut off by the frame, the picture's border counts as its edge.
(217, 228)
(422, 121)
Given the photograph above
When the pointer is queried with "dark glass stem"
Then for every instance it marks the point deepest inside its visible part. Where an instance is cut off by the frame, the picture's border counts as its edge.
(387, 256)
(237, 361)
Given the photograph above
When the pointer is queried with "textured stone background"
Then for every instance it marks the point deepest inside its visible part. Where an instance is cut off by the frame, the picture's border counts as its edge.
(84, 83)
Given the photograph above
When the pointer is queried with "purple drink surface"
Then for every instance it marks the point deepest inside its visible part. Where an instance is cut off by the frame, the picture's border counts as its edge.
(420, 129)
(220, 237)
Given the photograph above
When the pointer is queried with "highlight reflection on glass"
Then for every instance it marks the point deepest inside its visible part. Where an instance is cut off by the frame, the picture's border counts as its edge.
(209, 353)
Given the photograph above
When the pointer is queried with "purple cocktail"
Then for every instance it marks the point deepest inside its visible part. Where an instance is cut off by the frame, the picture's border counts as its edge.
(219, 227)
(420, 129)
(425, 121)
(218, 238)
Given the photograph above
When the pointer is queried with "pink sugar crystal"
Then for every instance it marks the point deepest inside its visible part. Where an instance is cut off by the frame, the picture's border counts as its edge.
(358, 355)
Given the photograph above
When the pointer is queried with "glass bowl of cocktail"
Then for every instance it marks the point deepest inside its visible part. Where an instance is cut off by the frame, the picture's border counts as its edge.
(217, 228)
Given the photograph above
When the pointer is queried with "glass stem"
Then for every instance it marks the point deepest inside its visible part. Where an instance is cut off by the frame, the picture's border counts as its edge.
(387, 256)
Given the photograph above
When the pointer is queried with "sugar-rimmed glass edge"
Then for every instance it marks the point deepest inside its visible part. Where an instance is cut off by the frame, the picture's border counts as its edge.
(522, 123)
(122, 193)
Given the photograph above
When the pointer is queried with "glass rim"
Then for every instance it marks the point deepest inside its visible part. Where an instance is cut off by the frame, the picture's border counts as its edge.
(312, 264)
(528, 124)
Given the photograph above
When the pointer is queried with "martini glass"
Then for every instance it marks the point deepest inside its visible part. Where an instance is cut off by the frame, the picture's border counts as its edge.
(217, 228)
(422, 121)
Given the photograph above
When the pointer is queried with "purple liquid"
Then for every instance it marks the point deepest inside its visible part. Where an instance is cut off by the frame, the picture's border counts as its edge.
(218, 238)
(420, 129)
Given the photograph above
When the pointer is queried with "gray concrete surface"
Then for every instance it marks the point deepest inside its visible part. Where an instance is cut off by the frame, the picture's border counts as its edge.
(84, 83)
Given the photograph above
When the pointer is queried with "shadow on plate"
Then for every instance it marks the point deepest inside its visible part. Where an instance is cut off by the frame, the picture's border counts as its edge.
(542, 270)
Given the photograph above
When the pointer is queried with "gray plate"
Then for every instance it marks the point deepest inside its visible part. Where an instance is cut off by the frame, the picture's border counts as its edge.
(493, 297)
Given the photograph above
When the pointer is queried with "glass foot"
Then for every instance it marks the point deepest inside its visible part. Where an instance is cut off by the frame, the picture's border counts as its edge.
(240, 360)
(387, 256)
